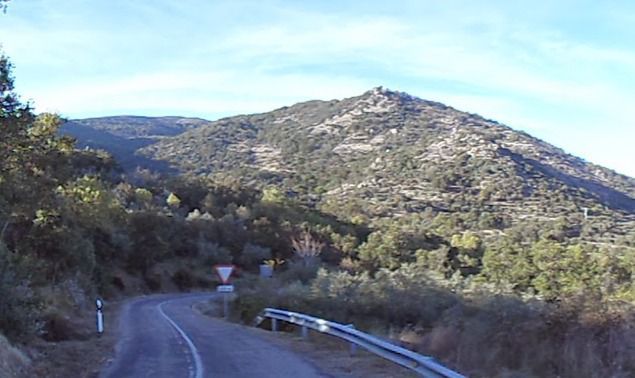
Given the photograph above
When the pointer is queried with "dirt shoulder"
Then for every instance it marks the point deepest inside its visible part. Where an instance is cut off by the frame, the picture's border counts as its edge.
(333, 356)
(81, 357)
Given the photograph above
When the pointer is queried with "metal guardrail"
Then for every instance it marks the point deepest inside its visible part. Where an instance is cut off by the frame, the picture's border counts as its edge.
(424, 365)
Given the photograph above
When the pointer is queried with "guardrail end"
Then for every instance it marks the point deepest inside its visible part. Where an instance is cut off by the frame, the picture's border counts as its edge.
(258, 320)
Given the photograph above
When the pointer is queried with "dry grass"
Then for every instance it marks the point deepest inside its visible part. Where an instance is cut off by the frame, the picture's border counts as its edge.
(495, 342)
(482, 335)
(333, 356)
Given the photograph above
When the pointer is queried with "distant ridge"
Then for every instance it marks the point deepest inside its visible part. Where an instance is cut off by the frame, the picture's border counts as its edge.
(123, 136)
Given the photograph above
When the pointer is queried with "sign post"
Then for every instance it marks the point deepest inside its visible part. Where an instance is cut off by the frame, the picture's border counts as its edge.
(100, 316)
(224, 272)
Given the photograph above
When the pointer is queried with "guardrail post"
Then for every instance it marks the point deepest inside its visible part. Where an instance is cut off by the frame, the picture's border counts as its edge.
(353, 349)
(274, 325)
(305, 332)
(226, 305)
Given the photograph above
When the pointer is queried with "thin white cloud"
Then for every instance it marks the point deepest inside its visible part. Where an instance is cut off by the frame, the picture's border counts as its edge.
(203, 93)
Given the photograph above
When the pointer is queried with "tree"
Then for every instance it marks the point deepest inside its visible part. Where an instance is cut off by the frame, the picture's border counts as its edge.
(143, 197)
(388, 248)
(466, 253)
(508, 264)
(150, 235)
(15, 119)
(23, 160)
(173, 200)
(252, 255)
(307, 248)
(272, 195)
(563, 271)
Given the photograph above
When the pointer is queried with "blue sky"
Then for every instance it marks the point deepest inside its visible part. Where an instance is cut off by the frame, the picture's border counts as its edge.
(563, 71)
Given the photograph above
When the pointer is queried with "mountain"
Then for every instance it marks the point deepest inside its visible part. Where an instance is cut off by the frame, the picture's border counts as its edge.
(386, 153)
(124, 135)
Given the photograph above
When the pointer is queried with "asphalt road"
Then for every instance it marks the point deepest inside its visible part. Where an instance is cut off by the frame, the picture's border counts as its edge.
(163, 336)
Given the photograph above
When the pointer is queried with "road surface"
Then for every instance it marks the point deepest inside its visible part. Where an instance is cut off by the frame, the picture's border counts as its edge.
(162, 336)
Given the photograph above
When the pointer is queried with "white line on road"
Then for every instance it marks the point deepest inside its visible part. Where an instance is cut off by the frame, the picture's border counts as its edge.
(198, 364)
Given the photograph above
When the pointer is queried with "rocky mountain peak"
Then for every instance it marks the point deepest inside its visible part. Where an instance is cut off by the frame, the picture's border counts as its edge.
(381, 93)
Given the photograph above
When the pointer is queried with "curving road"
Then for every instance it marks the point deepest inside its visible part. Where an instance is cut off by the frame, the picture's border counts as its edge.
(162, 336)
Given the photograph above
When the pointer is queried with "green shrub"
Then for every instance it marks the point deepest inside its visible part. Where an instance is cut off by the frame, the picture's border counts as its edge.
(183, 279)
(18, 304)
(298, 271)
(57, 327)
(256, 293)
(253, 255)
(153, 281)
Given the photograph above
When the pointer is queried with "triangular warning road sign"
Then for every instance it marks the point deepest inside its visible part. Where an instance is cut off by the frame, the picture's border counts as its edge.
(224, 272)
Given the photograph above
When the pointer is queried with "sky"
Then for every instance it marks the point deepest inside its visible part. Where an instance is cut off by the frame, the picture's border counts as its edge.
(563, 71)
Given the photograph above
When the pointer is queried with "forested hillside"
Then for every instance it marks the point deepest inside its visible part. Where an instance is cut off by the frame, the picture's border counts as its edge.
(387, 154)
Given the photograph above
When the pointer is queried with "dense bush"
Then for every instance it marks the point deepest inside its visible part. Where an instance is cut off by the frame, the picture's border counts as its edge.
(183, 279)
(479, 333)
(18, 305)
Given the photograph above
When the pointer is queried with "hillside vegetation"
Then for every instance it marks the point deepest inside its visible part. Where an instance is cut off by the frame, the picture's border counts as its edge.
(386, 154)
(405, 216)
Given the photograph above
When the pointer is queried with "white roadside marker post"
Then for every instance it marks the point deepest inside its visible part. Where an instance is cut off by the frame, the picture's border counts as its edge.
(100, 317)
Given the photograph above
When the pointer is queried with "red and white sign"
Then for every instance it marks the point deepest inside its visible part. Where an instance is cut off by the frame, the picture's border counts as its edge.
(224, 272)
